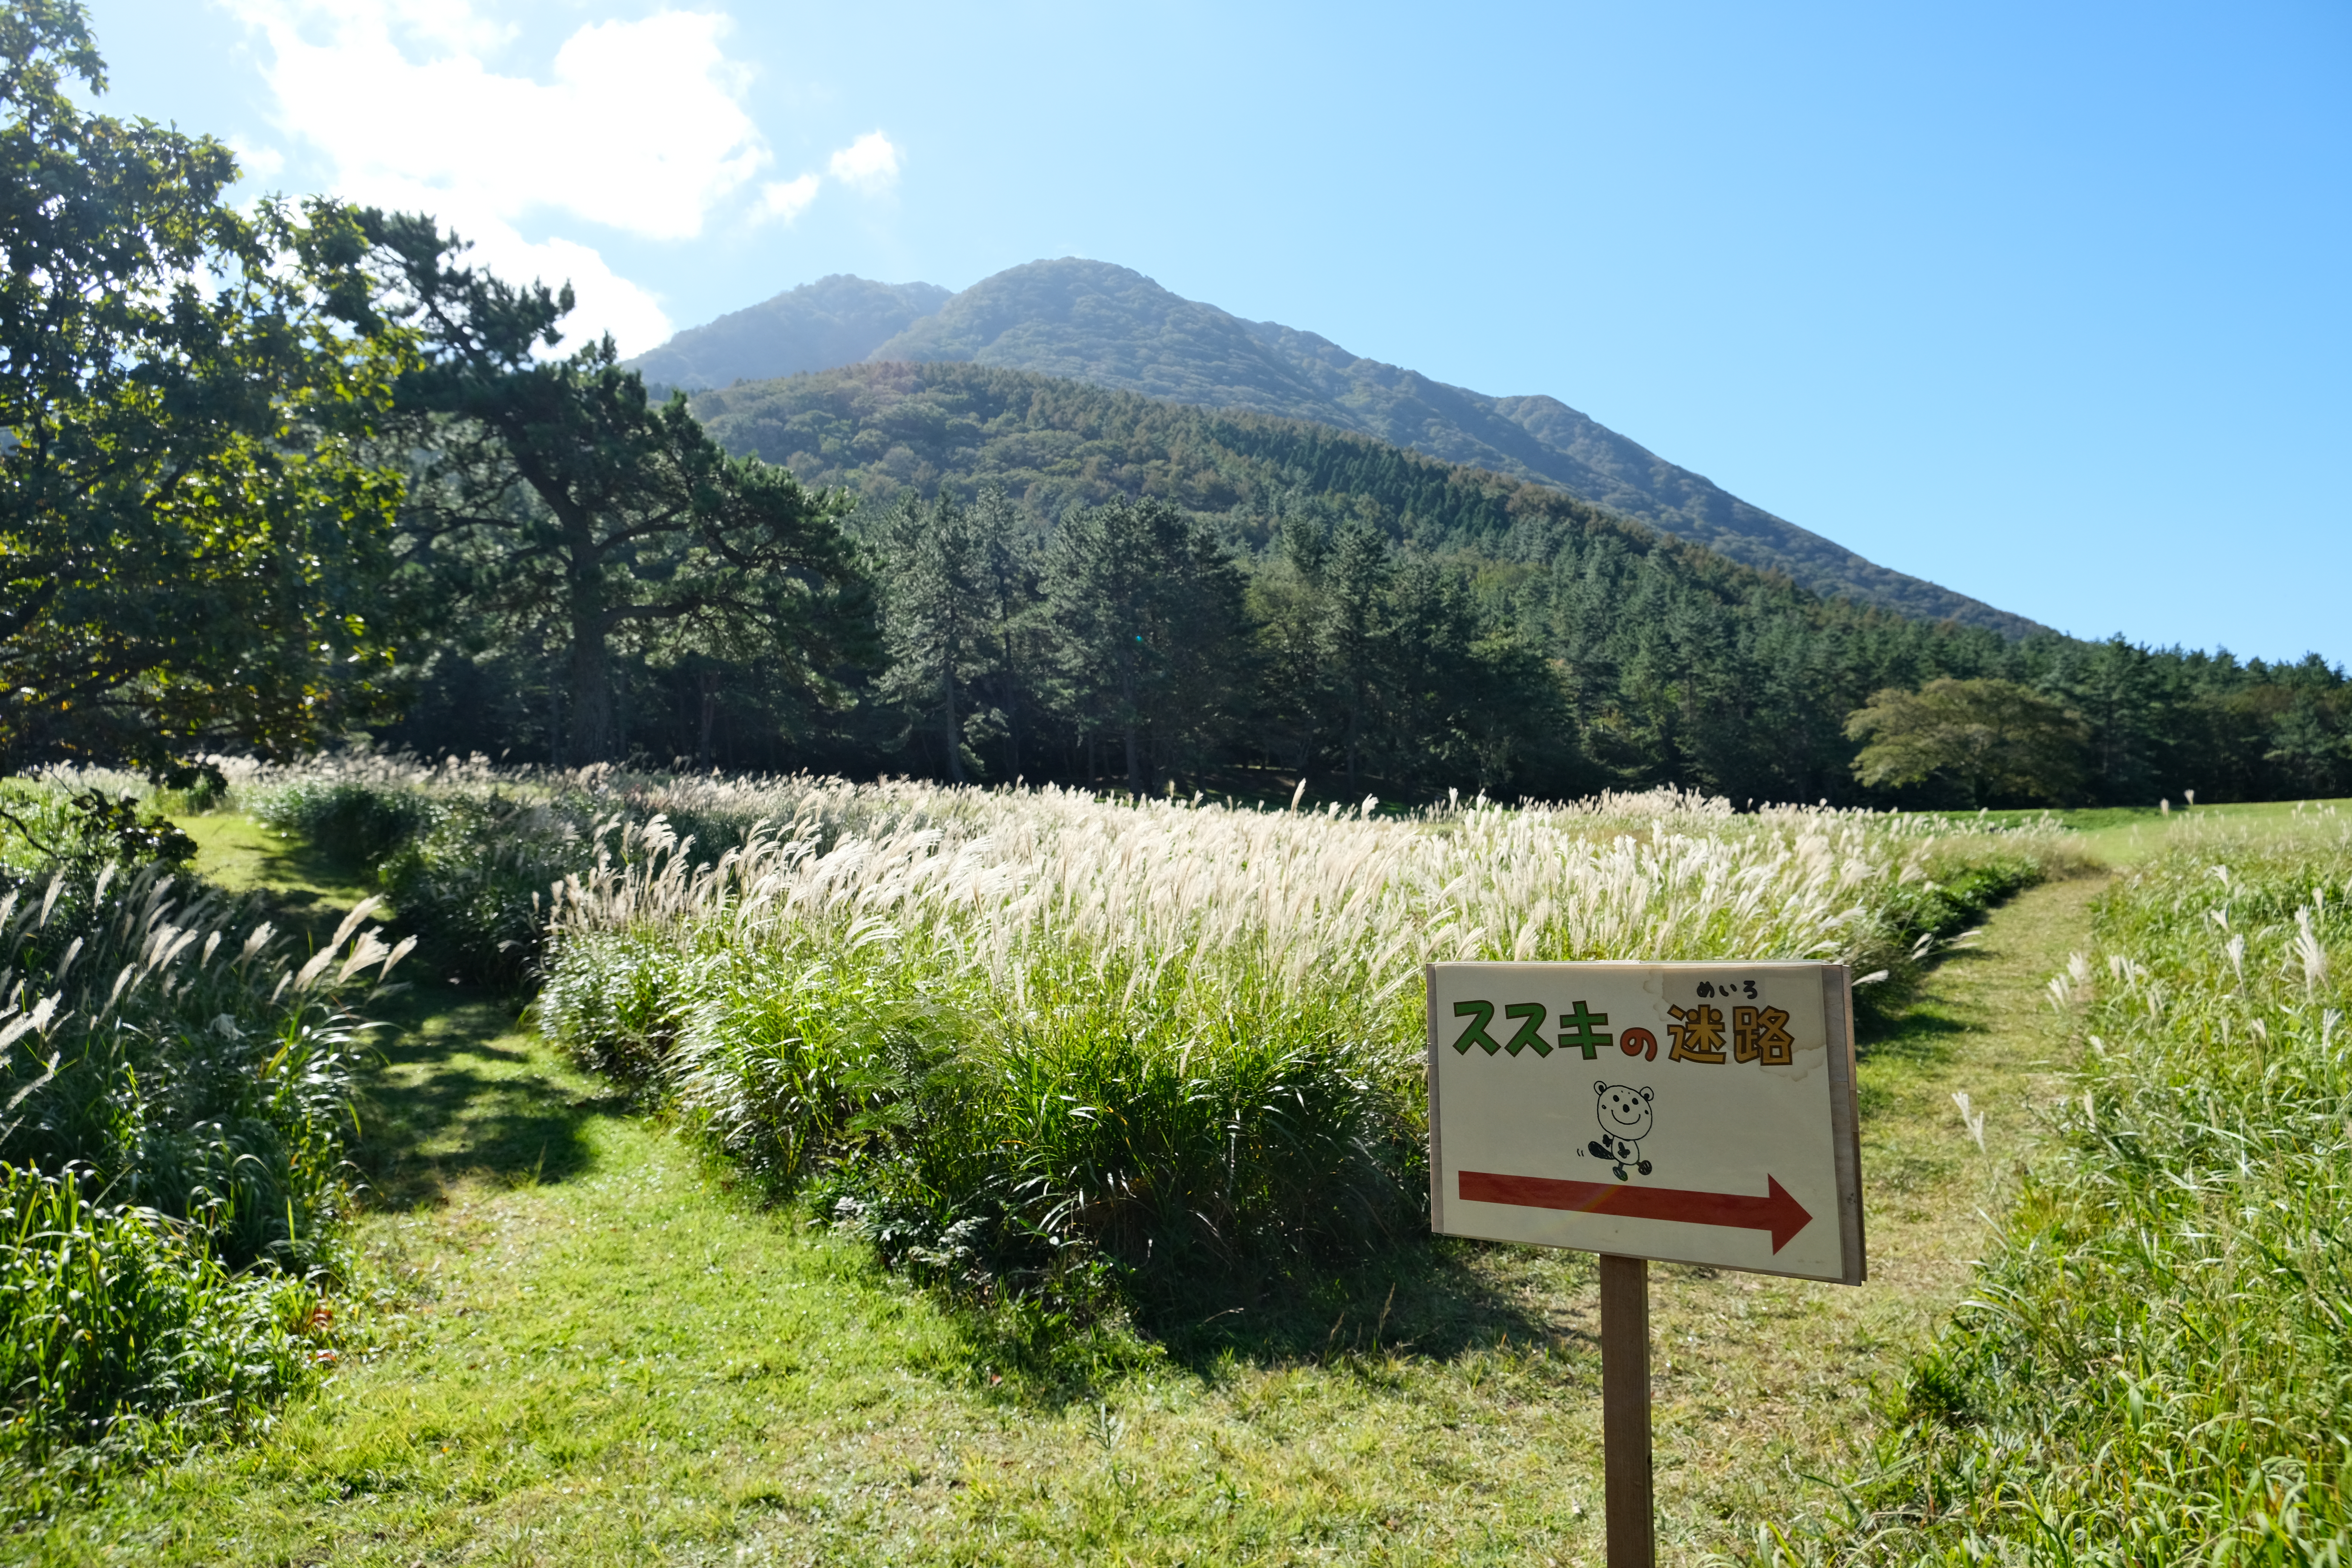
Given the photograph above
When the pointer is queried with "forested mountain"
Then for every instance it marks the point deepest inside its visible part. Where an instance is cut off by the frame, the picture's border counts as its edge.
(834, 320)
(1093, 321)
(1096, 586)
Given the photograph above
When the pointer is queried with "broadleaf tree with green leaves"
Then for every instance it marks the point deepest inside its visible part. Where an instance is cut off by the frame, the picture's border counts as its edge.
(195, 533)
(1999, 741)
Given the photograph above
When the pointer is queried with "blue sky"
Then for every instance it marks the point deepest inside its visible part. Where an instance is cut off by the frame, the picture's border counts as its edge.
(2048, 304)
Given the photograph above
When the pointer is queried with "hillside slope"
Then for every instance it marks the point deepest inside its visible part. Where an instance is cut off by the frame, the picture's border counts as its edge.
(834, 320)
(1507, 633)
(953, 427)
(1094, 321)
(1655, 653)
(1091, 320)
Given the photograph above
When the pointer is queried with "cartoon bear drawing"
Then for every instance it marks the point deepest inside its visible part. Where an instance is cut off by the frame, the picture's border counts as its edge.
(1624, 1114)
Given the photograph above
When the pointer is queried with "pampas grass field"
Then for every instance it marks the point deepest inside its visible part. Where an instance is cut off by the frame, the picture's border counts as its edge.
(1040, 1044)
(1129, 1092)
(1027, 1038)
(175, 1076)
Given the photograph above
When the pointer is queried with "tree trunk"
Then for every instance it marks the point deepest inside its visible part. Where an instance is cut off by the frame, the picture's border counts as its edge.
(1012, 718)
(554, 715)
(1355, 734)
(1127, 727)
(592, 677)
(702, 752)
(949, 731)
(592, 699)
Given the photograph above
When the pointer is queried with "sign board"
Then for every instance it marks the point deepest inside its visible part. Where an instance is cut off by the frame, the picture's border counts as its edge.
(1688, 1112)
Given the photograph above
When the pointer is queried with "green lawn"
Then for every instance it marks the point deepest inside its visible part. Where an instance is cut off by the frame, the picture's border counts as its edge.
(2123, 835)
(572, 1343)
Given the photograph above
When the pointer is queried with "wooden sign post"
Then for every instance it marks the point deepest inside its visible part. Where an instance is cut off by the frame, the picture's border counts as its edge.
(1689, 1112)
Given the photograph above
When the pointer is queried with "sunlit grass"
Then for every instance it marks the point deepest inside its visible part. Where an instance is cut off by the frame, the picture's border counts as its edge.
(2126, 835)
(578, 1346)
(2154, 1364)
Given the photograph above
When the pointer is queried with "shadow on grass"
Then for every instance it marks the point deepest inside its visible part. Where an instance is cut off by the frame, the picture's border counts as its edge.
(454, 1092)
(458, 1096)
(1920, 1028)
(1421, 1299)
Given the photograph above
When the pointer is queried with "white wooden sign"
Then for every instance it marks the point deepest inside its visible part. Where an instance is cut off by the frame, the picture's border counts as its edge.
(1689, 1112)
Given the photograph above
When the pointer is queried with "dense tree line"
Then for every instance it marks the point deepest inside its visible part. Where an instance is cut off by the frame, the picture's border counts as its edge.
(256, 464)
(1082, 585)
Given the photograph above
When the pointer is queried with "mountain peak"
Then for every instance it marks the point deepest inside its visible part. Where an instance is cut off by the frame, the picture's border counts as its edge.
(1099, 322)
(834, 320)
(1112, 326)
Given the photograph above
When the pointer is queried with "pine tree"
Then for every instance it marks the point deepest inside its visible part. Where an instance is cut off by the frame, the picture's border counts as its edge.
(1354, 636)
(1149, 615)
(937, 628)
(1287, 613)
(1012, 607)
(555, 492)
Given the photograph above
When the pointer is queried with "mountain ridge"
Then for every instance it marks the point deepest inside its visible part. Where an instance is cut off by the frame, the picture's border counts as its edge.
(1111, 326)
(835, 321)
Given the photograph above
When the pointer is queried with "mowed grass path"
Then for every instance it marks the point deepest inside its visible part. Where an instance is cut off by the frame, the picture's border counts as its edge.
(577, 1346)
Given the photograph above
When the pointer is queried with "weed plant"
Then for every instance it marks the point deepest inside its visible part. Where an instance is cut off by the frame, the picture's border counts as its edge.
(2155, 1364)
(172, 1091)
(124, 1334)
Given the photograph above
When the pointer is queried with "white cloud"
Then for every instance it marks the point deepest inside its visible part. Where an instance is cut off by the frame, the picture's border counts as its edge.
(785, 199)
(256, 162)
(870, 163)
(639, 127)
(451, 24)
(603, 300)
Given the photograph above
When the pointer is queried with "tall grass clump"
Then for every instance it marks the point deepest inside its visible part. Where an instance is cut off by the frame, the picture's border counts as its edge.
(123, 1331)
(465, 855)
(466, 852)
(2156, 1363)
(173, 1093)
(1033, 1041)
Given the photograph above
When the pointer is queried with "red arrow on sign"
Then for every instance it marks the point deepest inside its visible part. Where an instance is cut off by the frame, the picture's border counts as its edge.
(1777, 1212)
